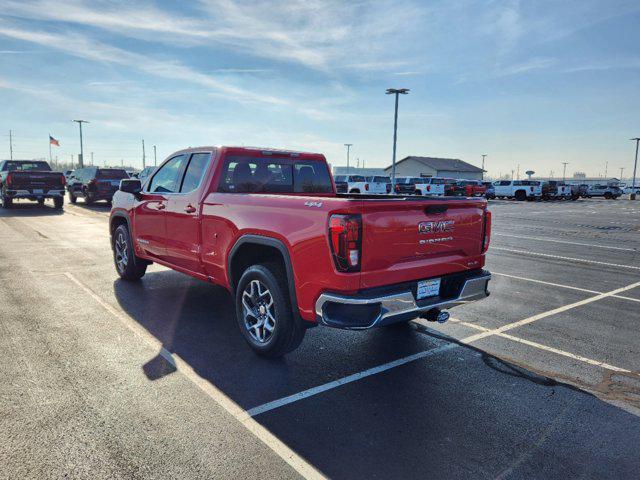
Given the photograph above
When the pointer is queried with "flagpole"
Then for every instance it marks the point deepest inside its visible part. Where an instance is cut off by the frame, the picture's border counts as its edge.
(50, 157)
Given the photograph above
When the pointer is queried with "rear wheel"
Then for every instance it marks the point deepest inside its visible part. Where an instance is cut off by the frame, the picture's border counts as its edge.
(41, 202)
(128, 265)
(72, 198)
(521, 195)
(264, 313)
(6, 201)
(607, 195)
(58, 202)
(355, 190)
(88, 198)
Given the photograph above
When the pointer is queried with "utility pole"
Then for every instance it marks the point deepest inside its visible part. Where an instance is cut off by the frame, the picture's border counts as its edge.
(81, 157)
(10, 145)
(144, 158)
(606, 167)
(511, 174)
(155, 159)
(635, 168)
(396, 92)
(518, 174)
(621, 170)
(348, 145)
(564, 170)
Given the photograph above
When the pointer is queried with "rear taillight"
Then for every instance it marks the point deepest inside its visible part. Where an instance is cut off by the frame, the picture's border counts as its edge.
(388, 188)
(9, 180)
(397, 187)
(486, 231)
(428, 188)
(64, 181)
(345, 237)
(366, 186)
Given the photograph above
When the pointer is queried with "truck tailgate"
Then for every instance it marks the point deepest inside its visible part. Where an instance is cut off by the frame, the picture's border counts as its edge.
(36, 180)
(418, 239)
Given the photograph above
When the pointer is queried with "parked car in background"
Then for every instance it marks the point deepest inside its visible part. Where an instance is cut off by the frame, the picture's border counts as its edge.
(430, 186)
(146, 172)
(407, 185)
(607, 191)
(469, 188)
(94, 183)
(30, 180)
(379, 185)
(519, 189)
(67, 174)
(449, 186)
(489, 190)
(627, 188)
(351, 184)
(268, 226)
(555, 190)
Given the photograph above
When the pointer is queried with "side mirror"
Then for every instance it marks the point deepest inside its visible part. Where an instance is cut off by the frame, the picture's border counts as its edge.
(131, 185)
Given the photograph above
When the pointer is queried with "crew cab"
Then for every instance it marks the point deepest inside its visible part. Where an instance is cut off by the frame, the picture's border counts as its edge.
(469, 188)
(351, 184)
(379, 185)
(406, 185)
(94, 184)
(30, 180)
(555, 190)
(518, 189)
(269, 227)
(430, 186)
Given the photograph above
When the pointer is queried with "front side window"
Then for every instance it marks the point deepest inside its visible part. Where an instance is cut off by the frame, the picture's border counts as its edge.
(167, 178)
(195, 172)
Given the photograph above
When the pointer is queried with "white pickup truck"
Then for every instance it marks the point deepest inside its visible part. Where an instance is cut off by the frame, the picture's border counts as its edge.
(430, 186)
(351, 184)
(379, 185)
(519, 189)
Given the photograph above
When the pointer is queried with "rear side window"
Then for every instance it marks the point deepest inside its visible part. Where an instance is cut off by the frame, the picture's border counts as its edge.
(274, 175)
(112, 174)
(356, 178)
(381, 180)
(167, 178)
(195, 171)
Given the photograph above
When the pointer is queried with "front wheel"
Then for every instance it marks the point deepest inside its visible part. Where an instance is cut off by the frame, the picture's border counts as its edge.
(264, 313)
(128, 265)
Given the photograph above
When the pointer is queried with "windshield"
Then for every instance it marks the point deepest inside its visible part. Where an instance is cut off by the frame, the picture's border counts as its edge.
(15, 166)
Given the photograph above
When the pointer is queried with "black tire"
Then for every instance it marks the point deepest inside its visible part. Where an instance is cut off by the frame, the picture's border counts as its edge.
(7, 202)
(41, 202)
(521, 195)
(130, 268)
(72, 198)
(355, 190)
(58, 202)
(88, 199)
(287, 330)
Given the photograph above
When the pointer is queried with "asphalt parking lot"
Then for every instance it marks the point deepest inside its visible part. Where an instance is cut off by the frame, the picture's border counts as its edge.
(105, 379)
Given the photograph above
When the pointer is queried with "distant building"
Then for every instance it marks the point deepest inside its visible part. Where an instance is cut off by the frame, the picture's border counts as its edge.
(436, 167)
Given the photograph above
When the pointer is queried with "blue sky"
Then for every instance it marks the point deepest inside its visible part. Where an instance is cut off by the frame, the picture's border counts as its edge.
(530, 83)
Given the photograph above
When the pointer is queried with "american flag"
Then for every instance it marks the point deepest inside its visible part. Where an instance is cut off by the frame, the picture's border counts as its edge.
(53, 141)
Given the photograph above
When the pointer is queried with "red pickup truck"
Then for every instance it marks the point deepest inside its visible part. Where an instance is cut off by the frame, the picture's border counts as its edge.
(269, 226)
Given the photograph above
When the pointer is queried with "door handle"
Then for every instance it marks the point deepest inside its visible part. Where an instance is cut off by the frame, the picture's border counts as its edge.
(161, 206)
(190, 209)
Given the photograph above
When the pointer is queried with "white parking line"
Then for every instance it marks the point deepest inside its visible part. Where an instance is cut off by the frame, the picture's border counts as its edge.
(348, 379)
(485, 332)
(538, 346)
(298, 463)
(561, 286)
(567, 242)
(583, 260)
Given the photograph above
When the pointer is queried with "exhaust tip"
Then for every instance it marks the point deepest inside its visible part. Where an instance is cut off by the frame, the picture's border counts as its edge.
(435, 315)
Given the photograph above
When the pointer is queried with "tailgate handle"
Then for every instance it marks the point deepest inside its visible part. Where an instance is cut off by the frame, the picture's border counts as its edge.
(435, 209)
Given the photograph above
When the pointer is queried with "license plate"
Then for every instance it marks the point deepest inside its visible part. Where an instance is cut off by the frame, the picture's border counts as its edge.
(38, 191)
(428, 288)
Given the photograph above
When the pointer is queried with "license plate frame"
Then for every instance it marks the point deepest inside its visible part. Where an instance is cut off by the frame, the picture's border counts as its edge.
(428, 288)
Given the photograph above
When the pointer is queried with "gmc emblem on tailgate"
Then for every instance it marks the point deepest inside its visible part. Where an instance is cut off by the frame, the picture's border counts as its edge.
(436, 227)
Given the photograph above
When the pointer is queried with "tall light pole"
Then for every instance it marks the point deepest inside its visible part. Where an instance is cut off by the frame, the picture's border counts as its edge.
(621, 170)
(10, 145)
(348, 145)
(155, 158)
(606, 168)
(81, 157)
(635, 168)
(396, 92)
(144, 157)
(483, 156)
(564, 170)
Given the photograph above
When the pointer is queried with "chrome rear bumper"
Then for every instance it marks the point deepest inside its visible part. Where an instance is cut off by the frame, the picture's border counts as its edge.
(366, 311)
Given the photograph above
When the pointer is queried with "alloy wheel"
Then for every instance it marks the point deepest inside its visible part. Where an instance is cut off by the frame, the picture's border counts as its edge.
(258, 311)
(122, 257)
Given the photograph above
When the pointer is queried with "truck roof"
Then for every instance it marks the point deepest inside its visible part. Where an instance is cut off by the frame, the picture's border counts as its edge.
(251, 150)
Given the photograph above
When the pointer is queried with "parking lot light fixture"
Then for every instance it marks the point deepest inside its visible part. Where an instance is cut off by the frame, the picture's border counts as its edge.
(564, 170)
(635, 168)
(396, 92)
(348, 145)
(81, 157)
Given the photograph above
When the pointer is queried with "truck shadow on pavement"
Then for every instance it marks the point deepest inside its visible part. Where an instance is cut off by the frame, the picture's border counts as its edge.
(29, 209)
(457, 414)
